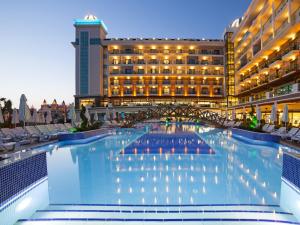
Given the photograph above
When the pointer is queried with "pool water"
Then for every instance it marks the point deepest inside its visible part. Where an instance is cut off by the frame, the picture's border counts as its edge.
(165, 165)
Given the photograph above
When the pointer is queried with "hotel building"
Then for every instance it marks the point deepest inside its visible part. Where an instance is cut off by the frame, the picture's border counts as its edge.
(256, 63)
(267, 60)
(139, 71)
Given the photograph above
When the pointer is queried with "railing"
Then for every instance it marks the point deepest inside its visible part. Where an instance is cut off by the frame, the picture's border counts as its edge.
(166, 51)
(280, 7)
(282, 27)
(266, 24)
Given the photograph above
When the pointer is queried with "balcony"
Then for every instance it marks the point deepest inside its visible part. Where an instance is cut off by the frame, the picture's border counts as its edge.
(179, 82)
(153, 83)
(152, 61)
(153, 92)
(192, 62)
(179, 62)
(192, 92)
(140, 93)
(127, 93)
(166, 82)
(179, 92)
(127, 82)
(280, 8)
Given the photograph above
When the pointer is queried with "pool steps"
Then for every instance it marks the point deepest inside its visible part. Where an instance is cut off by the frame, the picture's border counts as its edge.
(91, 214)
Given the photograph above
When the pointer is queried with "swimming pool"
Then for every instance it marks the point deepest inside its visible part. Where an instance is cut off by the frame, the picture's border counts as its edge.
(165, 165)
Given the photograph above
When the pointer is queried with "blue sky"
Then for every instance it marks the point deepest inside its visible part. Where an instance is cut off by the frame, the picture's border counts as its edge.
(37, 59)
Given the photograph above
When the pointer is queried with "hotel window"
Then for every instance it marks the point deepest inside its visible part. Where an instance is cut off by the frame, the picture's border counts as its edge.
(115, 71)
(140, 71)
(192, 71)
(192, 90)
(204, 62)
(204, 91)
(179, 90)
(128, 51)
(128, 61)
(166, 71)
(128, 71)
(128, 91)
(115, 61)
(115, 51)
(140, 61)
(166, 81)
(166, 51)
(153, 71)
(153, 90)
(87, 102)
(153, 61)
(140, 51)
(179, 61)
(204, 72)
(192, 51)
(179, 51)
(179, 71)
(166, 61)
(116, 91)
(153, 50)
(217, 91)
(166, 90)
(217, 52)
(141, 91)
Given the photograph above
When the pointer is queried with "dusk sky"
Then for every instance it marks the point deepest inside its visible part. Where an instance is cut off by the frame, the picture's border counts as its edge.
(37, 59)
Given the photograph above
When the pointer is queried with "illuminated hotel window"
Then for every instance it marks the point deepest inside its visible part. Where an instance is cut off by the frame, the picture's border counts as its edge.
(204, 72)
(115, 61)
(166, 51)
(166, 61)
(87, 102)
(179, 71)
(115, 91)
(166, 71)
(140, 91)
(128, 61)
(179, 90)
(140, 71)
(153, 71)
(192, 71)
(166, 90)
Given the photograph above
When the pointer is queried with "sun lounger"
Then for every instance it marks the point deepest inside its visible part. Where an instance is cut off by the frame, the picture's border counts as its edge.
(34, 132)
(9, 146)
(280, 132)
(22, 140)
(44, 130)
(296, 137)
(265, 127)
(270, 128)
(292, 132)
(237, 124)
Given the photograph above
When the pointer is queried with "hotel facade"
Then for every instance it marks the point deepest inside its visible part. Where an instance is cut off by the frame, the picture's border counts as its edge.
(267, 61)
(139, 71)
(256, 63)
